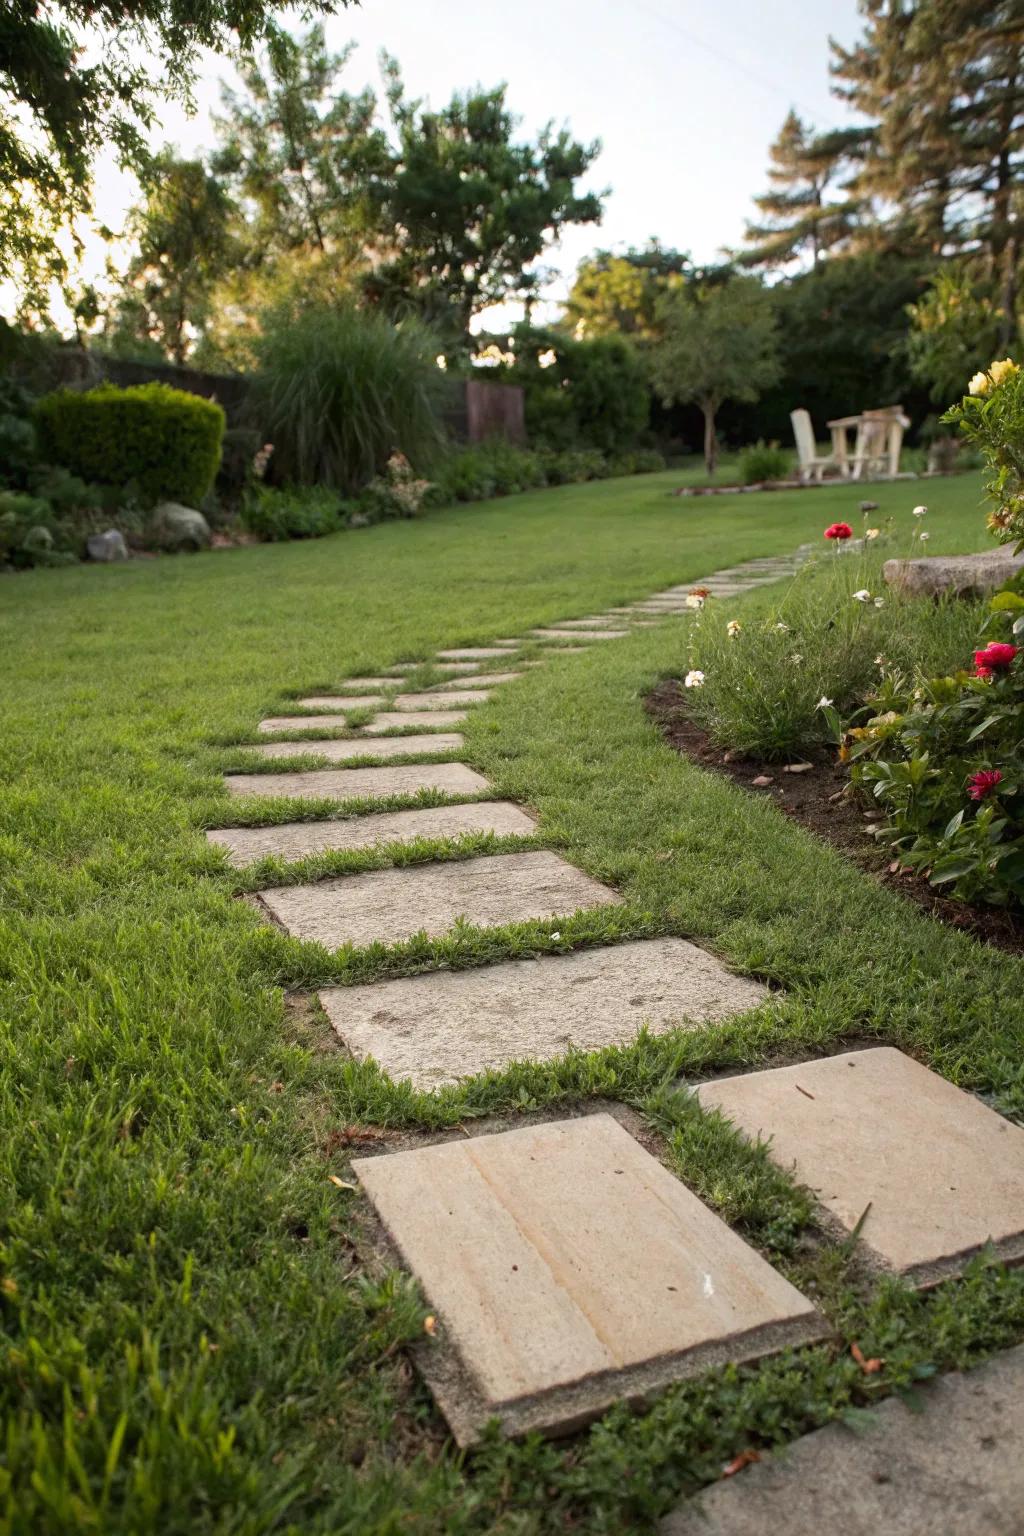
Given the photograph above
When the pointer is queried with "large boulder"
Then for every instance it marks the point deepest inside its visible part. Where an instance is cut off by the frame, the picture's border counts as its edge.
(955, 575)
(173, 527)
(106, 546)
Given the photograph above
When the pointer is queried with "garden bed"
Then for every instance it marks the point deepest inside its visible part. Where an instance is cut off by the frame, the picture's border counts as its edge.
(815, 799)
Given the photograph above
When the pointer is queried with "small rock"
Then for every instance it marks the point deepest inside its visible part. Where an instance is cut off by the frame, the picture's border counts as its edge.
(732, 755)
(762, 781)
(869, 506)
(107, 546)
(359, 520)
(798, 768)
(174, 527)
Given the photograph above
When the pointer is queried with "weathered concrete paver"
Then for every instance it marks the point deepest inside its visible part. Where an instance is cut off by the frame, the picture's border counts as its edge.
(340, 703)
(436, 1028)
(473, 653)
(408, 701)
(476, 680)
(943, 1174)
(579, 634)
(393, 719)
(299, 839)
(362, 783)
(951, 1466)
(570, 1269)
(391, 905)
(276, 724)
(340, 750)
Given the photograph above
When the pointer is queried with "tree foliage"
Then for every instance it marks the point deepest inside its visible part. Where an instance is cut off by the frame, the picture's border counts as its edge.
(796, 214)
(715, 344)
(618, 295)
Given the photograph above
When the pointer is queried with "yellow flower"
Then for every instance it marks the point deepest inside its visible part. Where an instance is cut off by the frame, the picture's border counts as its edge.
(733, 628)
(872, 533)
(1003, 370)
(980, 384)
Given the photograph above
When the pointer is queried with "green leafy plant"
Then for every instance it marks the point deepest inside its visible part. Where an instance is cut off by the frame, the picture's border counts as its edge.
(991, 417)
(307, 512)
(764, 461)
(162, 440)
(340, 389)
(941, 757)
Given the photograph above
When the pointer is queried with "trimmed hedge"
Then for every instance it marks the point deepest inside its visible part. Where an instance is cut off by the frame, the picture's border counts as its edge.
(163, 440)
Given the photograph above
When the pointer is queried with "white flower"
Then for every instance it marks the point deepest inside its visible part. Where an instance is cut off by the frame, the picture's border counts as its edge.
(863, 596)
(980, 384)
(694, 679)
(923, 534)
(694, 600)
(879, 661)
(879, 602)
(784, 628)
(733, 628)
(824, 703)
(920, 512)
(556, 935)
(872, 533)
(796, 660)
(1003, 370)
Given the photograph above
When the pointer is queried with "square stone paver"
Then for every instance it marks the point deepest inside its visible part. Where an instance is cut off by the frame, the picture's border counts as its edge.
(341, 749)
(366, 684)
(299, 839)
(436, 1028)
(328, 702)
(275, 724)
(571, 1270)
(391, 905)
(472, 653)
(393, 719)
(942, 1173)
(598, 621)
(455, 695)
(362, 783)
(476, 680)
(579, 634)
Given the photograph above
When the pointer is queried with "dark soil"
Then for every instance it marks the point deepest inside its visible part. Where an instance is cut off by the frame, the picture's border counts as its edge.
(820, 800)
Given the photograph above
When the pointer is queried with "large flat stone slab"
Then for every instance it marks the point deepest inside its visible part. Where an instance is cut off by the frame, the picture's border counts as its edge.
(953, 1465)
(437, 1028)
(300, 839)
(570, 1270)
(598, 621)
(391, 905)
(340, 750)
(943, 1174)
(362, 783)
(341, 704)
(473, 653)
(276, 724)
(955, 575)
(412, 701)
(366, 684)
(579, 634)
(477, 680)
(395, 719)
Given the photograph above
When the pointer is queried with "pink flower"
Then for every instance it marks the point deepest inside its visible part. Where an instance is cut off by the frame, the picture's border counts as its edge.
(981, 784)
(996, 657)
(839, 531)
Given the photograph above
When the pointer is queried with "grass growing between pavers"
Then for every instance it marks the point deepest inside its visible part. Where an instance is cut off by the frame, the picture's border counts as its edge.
(189, 1340)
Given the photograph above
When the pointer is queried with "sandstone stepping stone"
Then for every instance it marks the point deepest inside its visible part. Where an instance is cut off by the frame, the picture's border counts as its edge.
(459, 668)
(327, 702)
(390, 720)
(478, 680)
(951, 1465)
(394, 904)
(579, 634)
(340, 750)
(362, 783)
(942, 1172)
(599, 621)
(408, 701)
(297, 840)
(571, 1270)
(436, 1028)
(473, 653)
(278, 723)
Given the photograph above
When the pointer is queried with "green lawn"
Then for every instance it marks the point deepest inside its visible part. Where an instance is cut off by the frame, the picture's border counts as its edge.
(190, 1342)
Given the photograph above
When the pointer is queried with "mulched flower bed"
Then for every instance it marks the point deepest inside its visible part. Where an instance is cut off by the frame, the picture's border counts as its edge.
(815, 799)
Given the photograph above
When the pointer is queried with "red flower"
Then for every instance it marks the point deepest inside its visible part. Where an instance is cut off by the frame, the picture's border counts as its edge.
(996, 657)
(839, 531)
(981, 784)
(700, 591)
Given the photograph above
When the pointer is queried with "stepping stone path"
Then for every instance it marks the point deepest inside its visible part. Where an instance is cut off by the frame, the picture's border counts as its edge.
(569, 1268)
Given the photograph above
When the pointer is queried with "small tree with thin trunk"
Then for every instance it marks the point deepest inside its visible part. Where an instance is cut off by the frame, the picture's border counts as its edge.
(715, 344)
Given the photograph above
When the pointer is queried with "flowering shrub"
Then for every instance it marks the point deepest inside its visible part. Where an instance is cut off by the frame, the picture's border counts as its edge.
(398, 492)
(991, 416)
(943, 760)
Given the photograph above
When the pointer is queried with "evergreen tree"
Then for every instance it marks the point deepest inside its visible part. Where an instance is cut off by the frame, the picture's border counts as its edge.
(795, 214)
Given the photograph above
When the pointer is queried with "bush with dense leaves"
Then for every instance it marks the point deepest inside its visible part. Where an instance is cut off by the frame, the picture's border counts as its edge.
(764, 461)
(163, 441)
(300, 512)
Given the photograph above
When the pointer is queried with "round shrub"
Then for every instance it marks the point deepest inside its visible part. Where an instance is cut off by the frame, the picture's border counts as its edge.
(162, 440)
(764, 461)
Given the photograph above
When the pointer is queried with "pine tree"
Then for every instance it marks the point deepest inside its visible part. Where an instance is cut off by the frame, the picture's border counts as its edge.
(795, 214)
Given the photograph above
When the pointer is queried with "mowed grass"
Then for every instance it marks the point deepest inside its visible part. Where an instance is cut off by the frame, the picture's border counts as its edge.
(193, 1337)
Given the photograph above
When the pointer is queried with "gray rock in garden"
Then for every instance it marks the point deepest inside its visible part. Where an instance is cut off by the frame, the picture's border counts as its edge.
(107, 546)
(869, 506)
(359, 520)
(174, 527)
(957, 575)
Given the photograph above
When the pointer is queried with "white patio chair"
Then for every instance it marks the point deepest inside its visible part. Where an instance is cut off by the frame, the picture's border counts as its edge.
(812, 464)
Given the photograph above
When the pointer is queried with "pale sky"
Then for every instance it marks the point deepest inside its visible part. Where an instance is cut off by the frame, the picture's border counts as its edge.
(684, 95)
